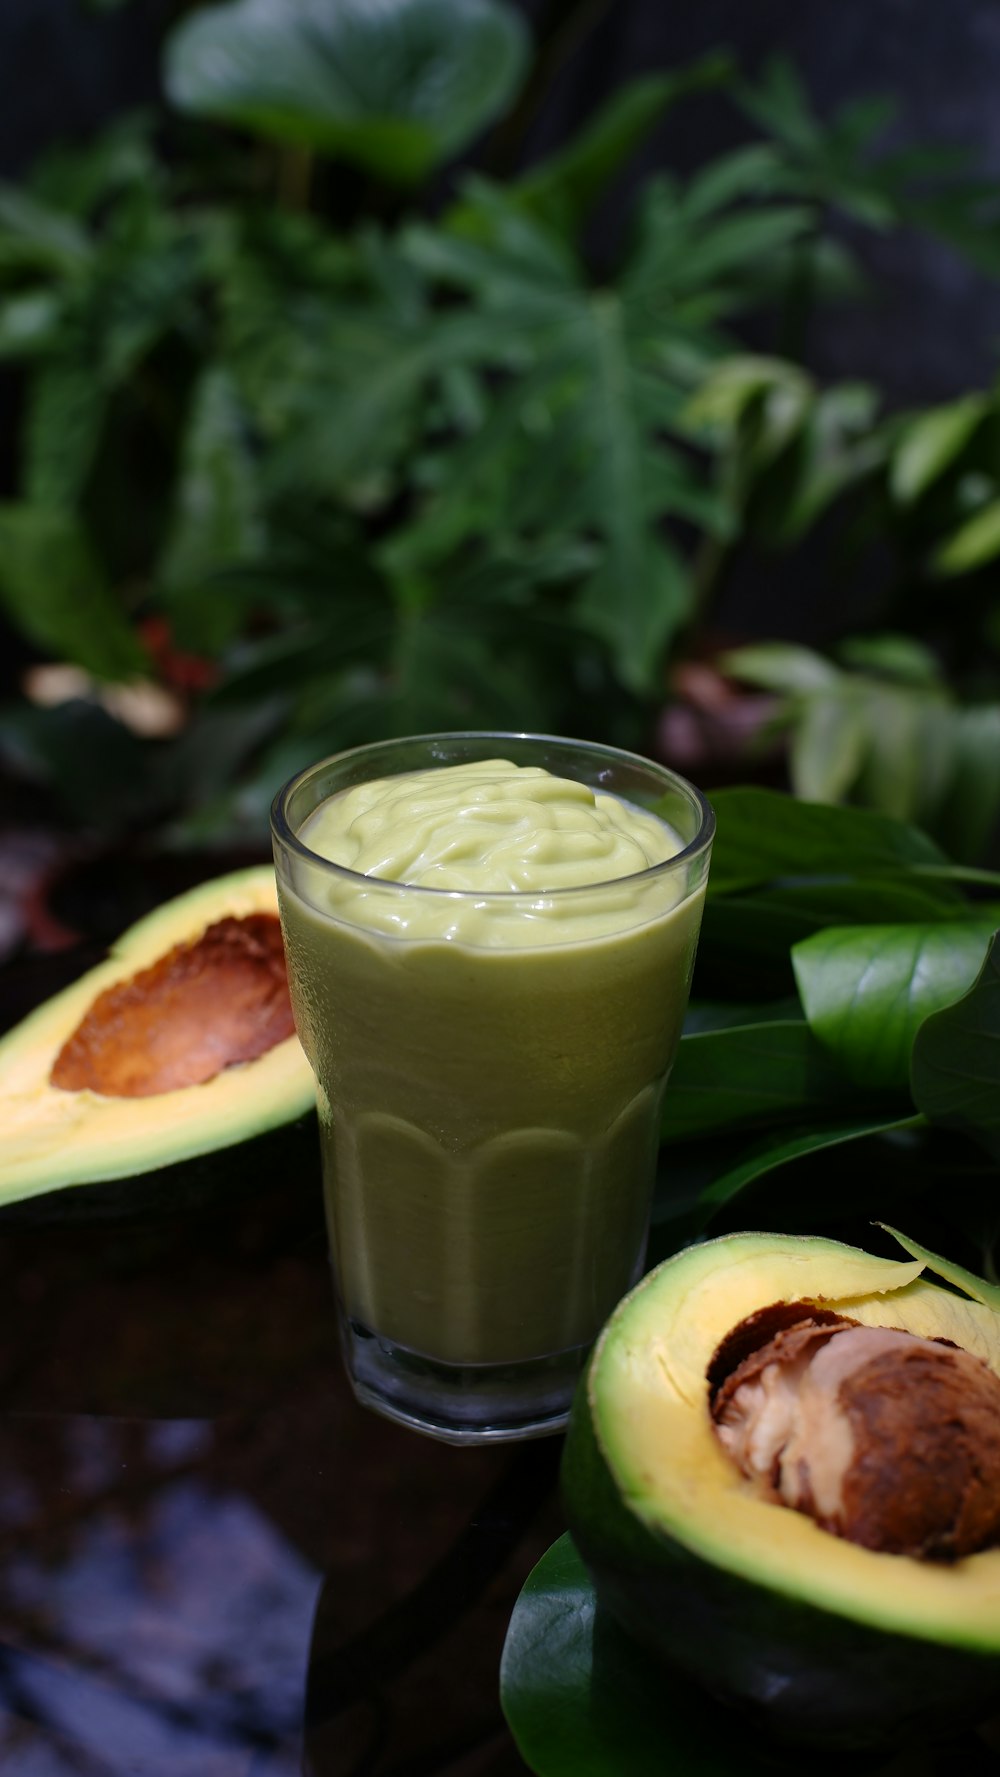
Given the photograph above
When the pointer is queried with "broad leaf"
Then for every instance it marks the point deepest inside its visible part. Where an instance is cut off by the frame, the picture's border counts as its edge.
(764, 835)
(55, 591)
(756, 1073)
(583, 1700)
(955, 1077)
(867, 989)
(396, 87)
(763, 924)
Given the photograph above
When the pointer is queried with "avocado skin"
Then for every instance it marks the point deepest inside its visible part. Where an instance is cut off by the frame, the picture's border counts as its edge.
(798, 1672)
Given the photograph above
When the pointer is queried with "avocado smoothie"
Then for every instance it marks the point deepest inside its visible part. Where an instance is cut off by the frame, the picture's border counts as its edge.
(489, 961)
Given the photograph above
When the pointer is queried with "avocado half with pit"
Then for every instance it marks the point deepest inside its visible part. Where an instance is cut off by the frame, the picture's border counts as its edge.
(769, 1605)
(174, 1062)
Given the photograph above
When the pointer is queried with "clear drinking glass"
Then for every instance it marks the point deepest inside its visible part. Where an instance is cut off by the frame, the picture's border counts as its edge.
(489, 1091)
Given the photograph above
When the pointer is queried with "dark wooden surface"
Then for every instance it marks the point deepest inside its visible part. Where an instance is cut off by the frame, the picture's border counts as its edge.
(213, 1562)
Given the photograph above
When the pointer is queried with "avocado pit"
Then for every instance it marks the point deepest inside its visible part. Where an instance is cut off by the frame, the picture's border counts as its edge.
(886, 1439)
(200, 1008)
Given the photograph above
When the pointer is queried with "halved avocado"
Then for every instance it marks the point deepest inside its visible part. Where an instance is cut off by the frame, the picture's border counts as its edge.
(824, 1642)
(171, 1061)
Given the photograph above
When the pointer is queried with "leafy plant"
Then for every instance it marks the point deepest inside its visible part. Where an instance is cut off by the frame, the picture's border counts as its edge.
(386, 459)
(845, 993)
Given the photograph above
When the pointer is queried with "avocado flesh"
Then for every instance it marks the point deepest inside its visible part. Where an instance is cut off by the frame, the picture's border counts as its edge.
(51, 1136)
(828, 1641)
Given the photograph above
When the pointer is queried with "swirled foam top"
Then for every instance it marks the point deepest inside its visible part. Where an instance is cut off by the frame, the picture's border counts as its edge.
(488, 827)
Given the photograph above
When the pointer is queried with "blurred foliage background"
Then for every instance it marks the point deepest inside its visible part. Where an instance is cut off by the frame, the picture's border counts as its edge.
(337, 417)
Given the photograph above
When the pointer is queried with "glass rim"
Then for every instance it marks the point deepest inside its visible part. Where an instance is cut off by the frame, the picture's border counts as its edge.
(289, 839)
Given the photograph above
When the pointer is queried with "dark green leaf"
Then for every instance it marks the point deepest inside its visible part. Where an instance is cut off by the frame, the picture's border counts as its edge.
(775, 1151)
(867, 989)
(967, 816)
(564, 188)
(762, 925)
(582, 1700)
(899, 657)
(54, 589)
(396, 87)
(764, 835)
(705, 1015)
(65, 416)
(955, 1076)
(34, 236)
(640, 594)
(756, 1073)
(216, 520)
(780, 103)
(99, 774)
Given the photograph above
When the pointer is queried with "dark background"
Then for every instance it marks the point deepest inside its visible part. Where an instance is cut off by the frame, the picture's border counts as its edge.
(933, 329)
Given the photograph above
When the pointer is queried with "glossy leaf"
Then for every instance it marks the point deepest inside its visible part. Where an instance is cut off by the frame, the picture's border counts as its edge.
(583, 1700)
(955, 1075)
(396, 87)
(55, 591)
(764, 835)
(754, 1073)
(764, 923)
(866, 990)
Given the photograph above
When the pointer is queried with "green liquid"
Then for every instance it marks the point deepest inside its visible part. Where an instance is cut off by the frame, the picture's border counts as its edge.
(490, 1100)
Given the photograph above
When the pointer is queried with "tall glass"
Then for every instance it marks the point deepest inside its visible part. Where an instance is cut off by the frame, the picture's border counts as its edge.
(489, 1091)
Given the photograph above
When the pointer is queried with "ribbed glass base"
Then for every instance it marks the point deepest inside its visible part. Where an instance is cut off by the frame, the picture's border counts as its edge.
(461, 1403)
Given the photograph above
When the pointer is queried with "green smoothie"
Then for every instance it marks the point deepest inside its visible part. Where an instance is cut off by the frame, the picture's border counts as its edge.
(490, 990)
